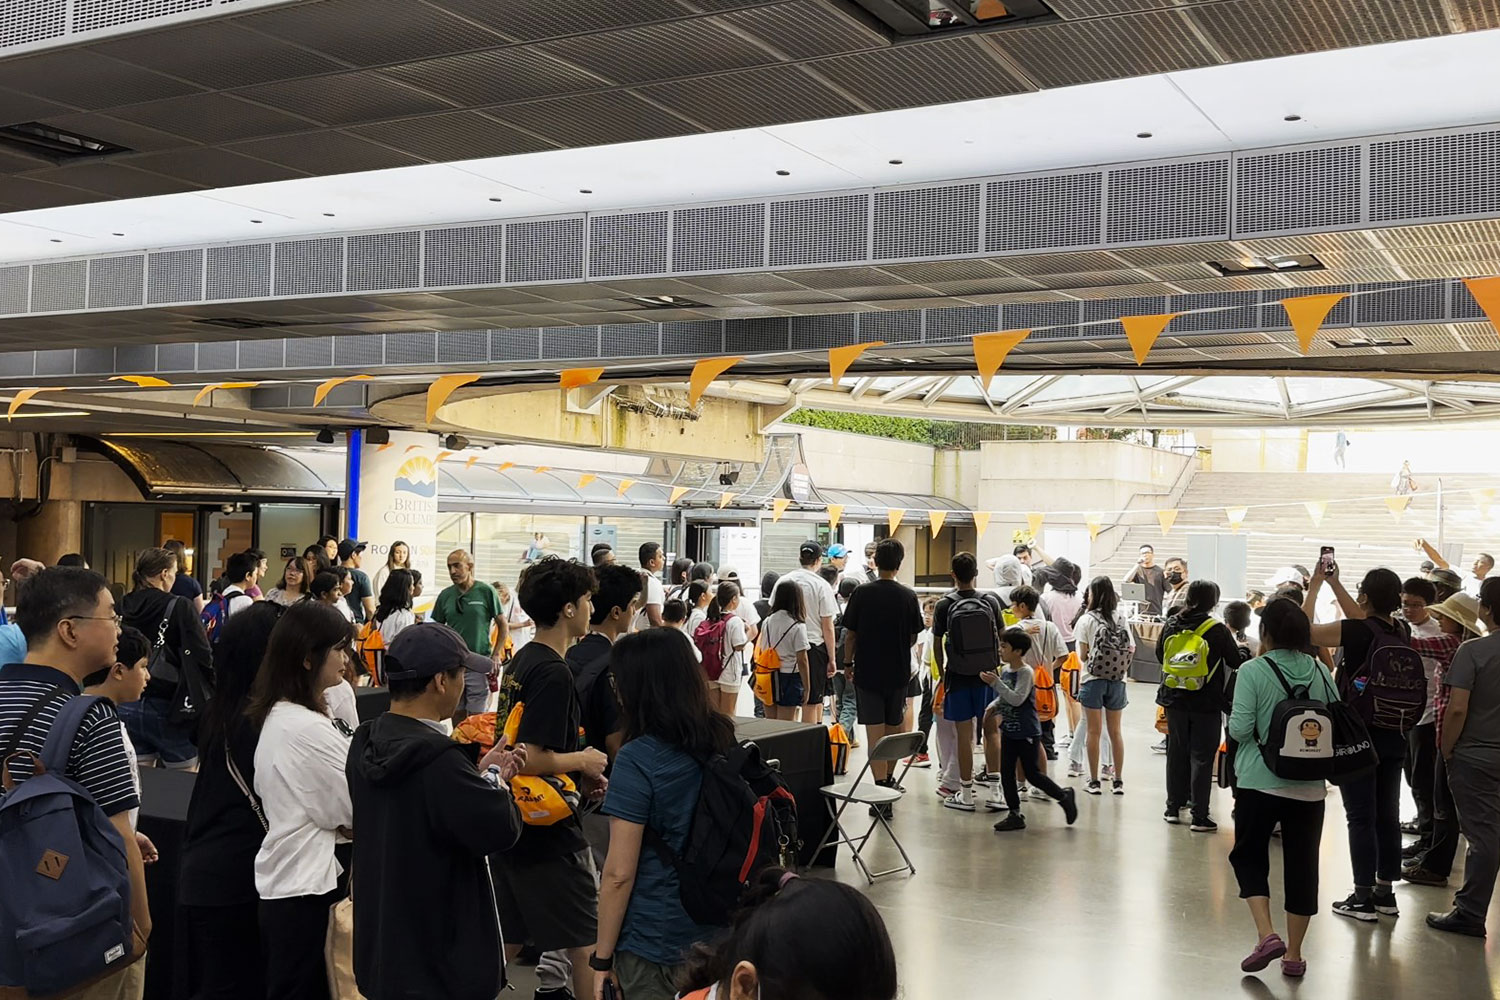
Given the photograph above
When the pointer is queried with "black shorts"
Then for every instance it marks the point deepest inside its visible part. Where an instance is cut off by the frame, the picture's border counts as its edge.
(880, 708)
(914, 686)
(551, 902)
(817, 674)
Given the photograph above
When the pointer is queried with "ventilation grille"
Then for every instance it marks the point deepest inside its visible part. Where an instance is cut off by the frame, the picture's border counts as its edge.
(833, 230)
(218, 357)
(755, 336)
(26, 21)
(1303, 189)
(815, 333)
(174, 276)
(358, 351)
(310, 267)
(1170, 201)
(898, 327)
(1038, 315)
(89, 15)
(463, 347)
(544, 250)
(262, 355)
(176, 357)
(471, 255)
(94, 360)
(60, 286)
(951, 326)
(1243, 316)
(630, 244)
(1273, 313)
(54, 362)
(927, 222)
(242, 272)
(1435, 176)
(719, 238)
(628, 340)
(411, 348)
(1404, 302)
(116, 282)
(577, 342)
(385, 260)
(515, 345)
(692, 337)
(14, 289)
(309, 352)
(1043, 212)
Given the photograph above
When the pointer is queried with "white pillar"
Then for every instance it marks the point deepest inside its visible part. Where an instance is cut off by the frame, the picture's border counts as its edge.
(398, 501)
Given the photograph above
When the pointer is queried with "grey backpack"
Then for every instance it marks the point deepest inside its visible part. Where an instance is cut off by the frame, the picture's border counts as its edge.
(65, 912)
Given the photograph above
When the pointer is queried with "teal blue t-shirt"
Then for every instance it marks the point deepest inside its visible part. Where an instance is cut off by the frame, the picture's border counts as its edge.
(656, 784)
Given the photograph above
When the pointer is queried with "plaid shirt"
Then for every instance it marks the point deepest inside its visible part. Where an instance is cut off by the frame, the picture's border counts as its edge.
(1439, 649)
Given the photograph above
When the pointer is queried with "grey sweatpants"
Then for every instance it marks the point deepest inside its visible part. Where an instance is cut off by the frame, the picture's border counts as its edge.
(1476, 794)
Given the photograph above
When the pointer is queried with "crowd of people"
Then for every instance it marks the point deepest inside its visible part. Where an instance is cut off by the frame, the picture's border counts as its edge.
(540, 766)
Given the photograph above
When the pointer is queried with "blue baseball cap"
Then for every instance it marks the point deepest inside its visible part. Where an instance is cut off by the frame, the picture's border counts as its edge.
(837, 551)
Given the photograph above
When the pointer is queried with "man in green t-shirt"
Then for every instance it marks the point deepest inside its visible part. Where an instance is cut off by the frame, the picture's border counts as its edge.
(470, 607)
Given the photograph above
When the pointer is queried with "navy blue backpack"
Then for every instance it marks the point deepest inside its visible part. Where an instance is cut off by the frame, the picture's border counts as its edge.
(65, 912)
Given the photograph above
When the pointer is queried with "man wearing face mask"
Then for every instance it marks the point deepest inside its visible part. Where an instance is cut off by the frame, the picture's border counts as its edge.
(1176, 579)
(1149, 575)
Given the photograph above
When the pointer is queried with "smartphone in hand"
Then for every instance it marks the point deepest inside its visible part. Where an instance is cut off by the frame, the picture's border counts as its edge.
(1325, 561)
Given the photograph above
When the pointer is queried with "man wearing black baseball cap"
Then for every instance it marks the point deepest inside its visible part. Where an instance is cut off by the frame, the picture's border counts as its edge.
(362, 598)
(427, 820)
(819, 608)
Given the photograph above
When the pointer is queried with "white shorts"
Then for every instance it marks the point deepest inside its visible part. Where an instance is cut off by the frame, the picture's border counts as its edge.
(730, 680)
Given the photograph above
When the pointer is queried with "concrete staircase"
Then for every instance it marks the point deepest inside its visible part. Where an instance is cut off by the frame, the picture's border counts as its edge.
(1357, 521)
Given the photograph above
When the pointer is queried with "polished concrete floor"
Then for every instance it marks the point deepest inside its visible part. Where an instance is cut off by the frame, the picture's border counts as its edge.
(1124, 906)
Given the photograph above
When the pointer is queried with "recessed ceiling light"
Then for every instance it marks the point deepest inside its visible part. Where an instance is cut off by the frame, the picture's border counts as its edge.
(256, 221)
(894, 163)
(117, 234)
(1292, 118)
(497, 199)
(585, 191)
(328, 215)
(1266, 265)
(783, 173)
(57, 241)
(1143, 135)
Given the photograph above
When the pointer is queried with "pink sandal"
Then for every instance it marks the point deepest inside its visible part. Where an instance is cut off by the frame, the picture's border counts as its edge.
(1294, 969)
(1271, 947)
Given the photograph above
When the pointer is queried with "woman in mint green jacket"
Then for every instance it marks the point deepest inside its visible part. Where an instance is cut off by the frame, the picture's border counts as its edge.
(1262, 800)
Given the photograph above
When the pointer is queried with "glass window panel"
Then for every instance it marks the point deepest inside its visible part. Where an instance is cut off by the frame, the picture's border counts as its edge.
(502, 542)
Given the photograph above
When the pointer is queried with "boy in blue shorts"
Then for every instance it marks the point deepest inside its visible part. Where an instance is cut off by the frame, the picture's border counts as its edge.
(966, 643)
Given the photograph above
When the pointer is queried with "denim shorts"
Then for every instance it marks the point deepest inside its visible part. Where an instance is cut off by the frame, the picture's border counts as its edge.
(155, 736)
(789, 690)
(1099, 693)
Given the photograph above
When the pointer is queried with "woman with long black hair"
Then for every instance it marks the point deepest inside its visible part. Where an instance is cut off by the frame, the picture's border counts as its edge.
(299, 776)
(1102, 694)
(216, 883)
(671, 726)
(294, 584)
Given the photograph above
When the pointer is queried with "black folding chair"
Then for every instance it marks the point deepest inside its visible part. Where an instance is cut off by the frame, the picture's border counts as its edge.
(889, 750)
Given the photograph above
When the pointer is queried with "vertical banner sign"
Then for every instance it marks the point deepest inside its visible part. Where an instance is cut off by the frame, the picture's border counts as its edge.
(739, 550)
(398, 501)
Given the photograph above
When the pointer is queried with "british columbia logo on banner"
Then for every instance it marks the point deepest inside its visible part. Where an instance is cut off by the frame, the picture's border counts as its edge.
(417, 476)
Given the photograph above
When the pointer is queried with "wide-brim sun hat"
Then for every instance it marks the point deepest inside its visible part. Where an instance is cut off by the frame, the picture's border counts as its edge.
(1461, 608)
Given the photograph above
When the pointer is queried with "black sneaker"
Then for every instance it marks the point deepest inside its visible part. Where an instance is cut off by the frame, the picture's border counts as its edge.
(1411, 827)
(1015, 821)
(1204, 826)
(1093, 787)
(1117, 786)
(883, 809)
(1456, 923)
(1356, 908)
(1069, 803)
(1414, 850)
(985, 778)
(1384, 901)
(1424, 876)
(1173, 816)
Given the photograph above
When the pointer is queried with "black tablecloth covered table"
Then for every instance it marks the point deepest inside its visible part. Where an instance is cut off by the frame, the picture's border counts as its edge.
(806, 765)
(371, 701)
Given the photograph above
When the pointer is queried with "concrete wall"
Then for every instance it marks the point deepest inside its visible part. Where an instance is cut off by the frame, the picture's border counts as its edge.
(858, 461)
(1445, 448)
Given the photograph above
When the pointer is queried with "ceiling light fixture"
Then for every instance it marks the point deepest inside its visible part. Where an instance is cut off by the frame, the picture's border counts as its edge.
(1143, 135)
(51, 143)
(256, 221)
(1292, 118)
(894, 163)
(207, 434)
(665, 302)
(117, 234)
(1267, 265)
(783, 173)
(325, 436)
(1362, 340)
(328, 215)
(56, 241)
(34, 414)
(455, 442)
(497, 199)
(585, 191)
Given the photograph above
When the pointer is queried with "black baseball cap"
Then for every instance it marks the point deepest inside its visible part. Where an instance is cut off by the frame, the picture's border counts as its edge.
(810, 549)
(428, 649)
(348, 547)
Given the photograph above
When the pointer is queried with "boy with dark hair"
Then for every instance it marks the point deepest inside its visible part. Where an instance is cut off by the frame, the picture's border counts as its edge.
(428, 820)
(965, 693)
(545, 885)
(615, 605)
(238, 575)
(123, 683)
(1020, 731)
(1044, 649)
(653, 594)
(1420, 764)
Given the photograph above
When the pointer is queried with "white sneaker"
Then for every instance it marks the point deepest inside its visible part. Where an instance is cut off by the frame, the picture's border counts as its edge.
(1038, 794)
(1075, 770)
(1064, 742)
(996, 804)
(960, 801)
(1023, 789)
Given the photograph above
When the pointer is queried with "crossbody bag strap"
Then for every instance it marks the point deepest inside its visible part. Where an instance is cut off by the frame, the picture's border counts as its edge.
(249, 793)
(56, 694)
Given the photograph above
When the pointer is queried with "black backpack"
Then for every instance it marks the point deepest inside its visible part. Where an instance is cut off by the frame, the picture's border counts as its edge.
(745, 821)
(973, 636)
(1311, 740)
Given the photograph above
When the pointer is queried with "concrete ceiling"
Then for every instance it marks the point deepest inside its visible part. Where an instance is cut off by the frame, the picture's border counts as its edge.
(266, 93)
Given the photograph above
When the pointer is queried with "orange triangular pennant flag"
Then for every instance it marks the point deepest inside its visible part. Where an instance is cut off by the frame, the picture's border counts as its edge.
(1142, 332)
(442, 455)
(1236, 517)
(935, 519)
(20, 398)
(505, 465)
(1166, 518)
(1484, 499)
(1315, 510)
(893, 518)
(624, 487)
(778, 508)
(991, 349)
(144, 381)
(835, 513)
(541, 469)
(1307, 313)
(585, 479)
(382, 447)
(677, 494)
(323, 389)
(725, 499)
(1034, 523)
(1095, 524)
(412, 447)
(981, 522)
(470, 463)
(704, 372)
(221, 385)
(442, 387)
(1486, 292)
(1397, 505)
(573, 378)
(840, 358)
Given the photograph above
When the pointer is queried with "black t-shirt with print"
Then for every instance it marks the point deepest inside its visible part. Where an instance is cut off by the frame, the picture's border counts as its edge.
(540, 679)
(886, 619)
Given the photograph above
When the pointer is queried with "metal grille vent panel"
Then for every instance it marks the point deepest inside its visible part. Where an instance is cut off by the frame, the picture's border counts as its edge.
(570, 342)
(630, 244)
(934, 72)
(820, 230)
(359, 351)
(1037, 315)
(927, 222)
(54, 362)
(692, 337)
(951, 326)
(27, 21)
(1169, 201)
(811, 333)
(310, 267)
(411, 348)
(15, 289)
(515, 345)
(1043, 212)
(18, 364)
(116, 282)
(177, 357)
(628, 340)
(94, 360)
(1435, 176)
(545, 250)
(1405, 302)
(1141, 44)
(754, 336)
(902, 326)
(174, 276)
(385, 260)
(1273, 313)
(218, 357)
(91, 14)
(1303, 189)
(309, 352)
(256, 355)
(242, 272)
(1103, 310)
(471, 255)
(1244, 316)
(136, 357)
(59, 286)
(719, 238)
(463, 347)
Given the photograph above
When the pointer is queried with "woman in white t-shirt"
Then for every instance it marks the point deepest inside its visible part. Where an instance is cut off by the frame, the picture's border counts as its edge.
(1102, 697)
(299, 777)
(784, 631)
(522, 628)
(394, 611)
(725, 691)
(1062, 603)
(698, 598)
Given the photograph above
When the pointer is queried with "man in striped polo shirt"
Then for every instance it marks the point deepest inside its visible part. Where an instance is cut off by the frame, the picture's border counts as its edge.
(68, 618)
